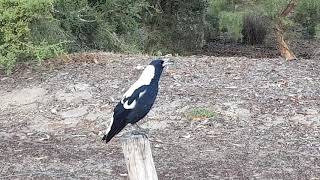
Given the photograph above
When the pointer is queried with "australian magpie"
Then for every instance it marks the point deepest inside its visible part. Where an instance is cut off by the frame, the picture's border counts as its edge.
(138, 99)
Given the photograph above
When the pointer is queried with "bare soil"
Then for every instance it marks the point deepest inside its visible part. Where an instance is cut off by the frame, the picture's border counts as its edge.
(267, 122)
(303, 49)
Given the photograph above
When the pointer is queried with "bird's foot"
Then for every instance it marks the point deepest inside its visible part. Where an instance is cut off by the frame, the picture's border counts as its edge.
(143, 133)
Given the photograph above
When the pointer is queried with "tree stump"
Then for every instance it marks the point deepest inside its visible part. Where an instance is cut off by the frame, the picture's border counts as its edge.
(138, 157)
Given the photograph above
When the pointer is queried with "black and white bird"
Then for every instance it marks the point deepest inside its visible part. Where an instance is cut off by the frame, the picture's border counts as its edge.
(138, 99)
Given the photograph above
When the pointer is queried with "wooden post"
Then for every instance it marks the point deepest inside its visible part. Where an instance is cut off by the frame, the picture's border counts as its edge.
(138, 157)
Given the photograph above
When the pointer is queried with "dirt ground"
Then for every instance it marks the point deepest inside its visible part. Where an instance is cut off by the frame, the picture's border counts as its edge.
(267, 122)
(306, 49)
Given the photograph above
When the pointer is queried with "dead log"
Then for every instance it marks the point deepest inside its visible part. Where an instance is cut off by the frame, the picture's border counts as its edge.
(138, 157)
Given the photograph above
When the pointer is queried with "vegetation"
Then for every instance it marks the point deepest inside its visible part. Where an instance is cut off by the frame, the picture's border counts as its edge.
(41, 29)
(200, 113)
(16, 19)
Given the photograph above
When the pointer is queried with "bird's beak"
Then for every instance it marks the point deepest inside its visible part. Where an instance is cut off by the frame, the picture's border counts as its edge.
(167, 62)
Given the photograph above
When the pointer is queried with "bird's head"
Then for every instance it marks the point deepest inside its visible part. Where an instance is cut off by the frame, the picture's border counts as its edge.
(161, 63)
(154, 69)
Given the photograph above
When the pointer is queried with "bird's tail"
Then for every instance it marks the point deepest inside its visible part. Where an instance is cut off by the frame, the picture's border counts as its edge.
(115, 128)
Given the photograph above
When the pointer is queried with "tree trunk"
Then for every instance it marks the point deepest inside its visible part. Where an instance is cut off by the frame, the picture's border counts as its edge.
(283, 47)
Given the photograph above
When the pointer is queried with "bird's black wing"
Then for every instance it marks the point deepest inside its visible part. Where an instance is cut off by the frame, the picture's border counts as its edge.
(120, 115)
(135, 94)
(116, 126)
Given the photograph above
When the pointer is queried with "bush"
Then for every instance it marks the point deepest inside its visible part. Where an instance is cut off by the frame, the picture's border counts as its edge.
(42, 29)
(317, 31)
(225, 18)
(111, 25)
(231, 23)
(78, 22)
(308, 15)
(254, 29)
(212, 27)
(16, 18)
(177, 27)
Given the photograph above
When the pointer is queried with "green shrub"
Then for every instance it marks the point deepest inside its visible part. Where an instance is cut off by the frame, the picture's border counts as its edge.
(178, 27)
(41, 29)
(125, 19)
(317, 31)
(232, 23)
(78, 21)
(254, 29)
(16, 17)
(111, 25)
(217, 6)
(271, 8)
(308, 15)
(212, 29)
(226, 16)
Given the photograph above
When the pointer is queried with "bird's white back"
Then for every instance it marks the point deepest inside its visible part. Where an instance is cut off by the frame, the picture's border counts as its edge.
(145, 79)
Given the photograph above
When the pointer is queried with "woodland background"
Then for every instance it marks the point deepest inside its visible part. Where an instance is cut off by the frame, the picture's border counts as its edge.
(33, 31)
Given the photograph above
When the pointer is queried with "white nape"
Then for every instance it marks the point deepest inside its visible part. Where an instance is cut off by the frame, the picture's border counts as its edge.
(145, 79)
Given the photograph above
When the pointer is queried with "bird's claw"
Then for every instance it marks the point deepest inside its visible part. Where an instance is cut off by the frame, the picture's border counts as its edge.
(143, 130)
(143, 133)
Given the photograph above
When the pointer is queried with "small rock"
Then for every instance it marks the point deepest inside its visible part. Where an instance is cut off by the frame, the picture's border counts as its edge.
(100, 133)
(139, 67)
(177, 85)
(112, 99)
(183, 109)
(81, 87)
(186, 136)
(115, 86)
(78, 112)
(47, 137)
(54, 111)
(311, 112)
(106, 106)
(231, 87)
(123, 175)
(175, 77)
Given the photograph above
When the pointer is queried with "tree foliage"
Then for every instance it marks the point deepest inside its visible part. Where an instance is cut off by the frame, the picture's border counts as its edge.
(16, 18)
(40, 29)
(231, 13)
(308, 15)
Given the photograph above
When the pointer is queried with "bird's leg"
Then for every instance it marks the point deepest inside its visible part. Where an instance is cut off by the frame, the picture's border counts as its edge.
(135, 132)
(140, 130)
(138, 127)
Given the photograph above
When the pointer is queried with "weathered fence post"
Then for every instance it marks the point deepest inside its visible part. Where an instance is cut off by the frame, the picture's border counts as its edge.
(138, 157)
